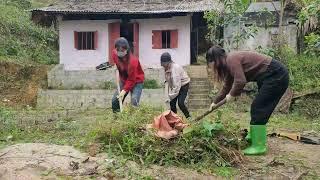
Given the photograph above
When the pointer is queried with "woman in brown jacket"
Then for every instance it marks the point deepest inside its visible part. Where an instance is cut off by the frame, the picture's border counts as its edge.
(237, 68)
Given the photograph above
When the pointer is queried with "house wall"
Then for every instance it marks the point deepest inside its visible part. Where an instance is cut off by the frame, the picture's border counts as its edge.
(151, 57)
(263, 38)
(74, 59)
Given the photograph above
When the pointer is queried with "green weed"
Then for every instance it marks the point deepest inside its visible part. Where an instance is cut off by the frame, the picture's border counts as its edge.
(151, 84)
(127, 137)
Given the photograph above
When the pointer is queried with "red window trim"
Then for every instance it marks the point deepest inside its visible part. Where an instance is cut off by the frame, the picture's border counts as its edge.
(94, 41)
(157, 39)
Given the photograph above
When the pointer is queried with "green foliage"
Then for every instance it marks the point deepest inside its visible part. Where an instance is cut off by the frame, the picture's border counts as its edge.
(267, 51)
(304, 69)
(199, 148)
(23, 4)
(313, 44)
(233, 15)
(109, 85)
(310, 16)
(311, 9)
(304, 72)
(21, 39)
(151, 84)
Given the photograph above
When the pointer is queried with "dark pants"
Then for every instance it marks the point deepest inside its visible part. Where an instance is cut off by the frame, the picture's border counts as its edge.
(272, 84)
(135, 97)
(183, 93)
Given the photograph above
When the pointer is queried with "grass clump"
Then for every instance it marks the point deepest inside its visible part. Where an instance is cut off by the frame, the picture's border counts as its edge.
(151, 84)
(206, 146)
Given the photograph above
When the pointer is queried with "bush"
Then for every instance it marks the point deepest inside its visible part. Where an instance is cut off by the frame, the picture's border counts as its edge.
(304, 69)
(151, 84)
(312, 44)
(304, 72)
(21, 39)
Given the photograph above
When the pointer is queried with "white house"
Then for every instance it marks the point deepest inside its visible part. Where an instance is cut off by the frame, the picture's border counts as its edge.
(88, 29)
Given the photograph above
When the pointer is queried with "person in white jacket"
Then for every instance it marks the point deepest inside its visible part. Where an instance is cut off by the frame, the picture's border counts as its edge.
(178, 84)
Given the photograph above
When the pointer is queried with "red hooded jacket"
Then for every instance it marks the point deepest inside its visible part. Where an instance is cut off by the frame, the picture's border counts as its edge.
(130, 71)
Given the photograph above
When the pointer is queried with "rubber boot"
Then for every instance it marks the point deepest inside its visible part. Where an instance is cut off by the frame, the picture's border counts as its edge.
(258, 140)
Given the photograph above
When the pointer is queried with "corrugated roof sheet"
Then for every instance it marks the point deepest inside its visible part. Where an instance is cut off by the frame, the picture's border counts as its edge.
(259, 6)
(132, 6)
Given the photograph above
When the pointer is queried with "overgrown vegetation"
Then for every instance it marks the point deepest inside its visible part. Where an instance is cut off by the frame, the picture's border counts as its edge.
(151, 84)
(208, 145)
(22, 40)
(233, 15)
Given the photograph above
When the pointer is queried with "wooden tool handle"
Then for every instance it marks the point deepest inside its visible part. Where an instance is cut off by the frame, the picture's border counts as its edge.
(118, 87)
(209, 111)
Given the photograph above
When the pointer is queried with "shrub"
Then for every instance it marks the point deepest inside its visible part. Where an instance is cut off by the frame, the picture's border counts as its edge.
(21, 39)
(151, 84)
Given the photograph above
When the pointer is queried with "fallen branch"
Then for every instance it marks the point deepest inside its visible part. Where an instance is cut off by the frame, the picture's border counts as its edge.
(306, 93)
(4, 153)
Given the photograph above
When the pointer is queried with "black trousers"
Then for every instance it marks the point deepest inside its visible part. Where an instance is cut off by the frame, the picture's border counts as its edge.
(272, 84)
(181, 101)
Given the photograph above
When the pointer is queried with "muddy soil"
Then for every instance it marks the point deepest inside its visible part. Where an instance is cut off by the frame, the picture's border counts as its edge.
(19, 84)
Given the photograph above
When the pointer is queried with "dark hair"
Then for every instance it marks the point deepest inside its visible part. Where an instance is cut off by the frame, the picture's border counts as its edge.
(165, 58)
(123, 42)
(217, 55)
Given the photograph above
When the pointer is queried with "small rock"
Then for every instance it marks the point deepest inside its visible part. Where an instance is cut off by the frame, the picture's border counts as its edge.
(74, 165)
(89, 170)
(109, 175)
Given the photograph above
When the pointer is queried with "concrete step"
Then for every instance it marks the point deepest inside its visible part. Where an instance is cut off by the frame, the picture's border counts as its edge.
(198, 107)
(199, 83)
(199, 91)
(196, 79)
(199, 102)
(200, 96)
(205, 86)
(197, 70)
(196, 99)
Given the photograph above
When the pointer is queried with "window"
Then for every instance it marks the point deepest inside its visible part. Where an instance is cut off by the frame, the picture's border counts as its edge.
(164, 39)
(86, 40)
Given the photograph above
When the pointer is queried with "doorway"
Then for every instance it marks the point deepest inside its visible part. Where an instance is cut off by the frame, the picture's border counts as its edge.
(126, 31)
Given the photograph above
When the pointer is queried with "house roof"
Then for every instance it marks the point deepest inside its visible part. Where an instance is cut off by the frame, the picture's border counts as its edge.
(269, 6)
(132, 6)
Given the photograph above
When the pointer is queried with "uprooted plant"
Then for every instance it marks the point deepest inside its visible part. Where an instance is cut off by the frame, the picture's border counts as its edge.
(207, 145)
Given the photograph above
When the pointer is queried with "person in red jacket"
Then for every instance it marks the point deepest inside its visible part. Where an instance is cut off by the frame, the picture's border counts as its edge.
(130, 72)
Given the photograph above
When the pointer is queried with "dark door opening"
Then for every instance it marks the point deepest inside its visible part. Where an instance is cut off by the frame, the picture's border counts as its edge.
(126, 31)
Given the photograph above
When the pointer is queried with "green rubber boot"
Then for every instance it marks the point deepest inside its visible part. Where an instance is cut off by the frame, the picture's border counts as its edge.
(258, 140)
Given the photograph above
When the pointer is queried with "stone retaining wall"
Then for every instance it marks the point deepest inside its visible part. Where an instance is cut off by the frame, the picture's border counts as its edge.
(58, 78)
(90, 99)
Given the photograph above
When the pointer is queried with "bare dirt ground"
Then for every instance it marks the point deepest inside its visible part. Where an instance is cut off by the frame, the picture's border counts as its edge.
(286, 159)
(43, 161)
(19, 84)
